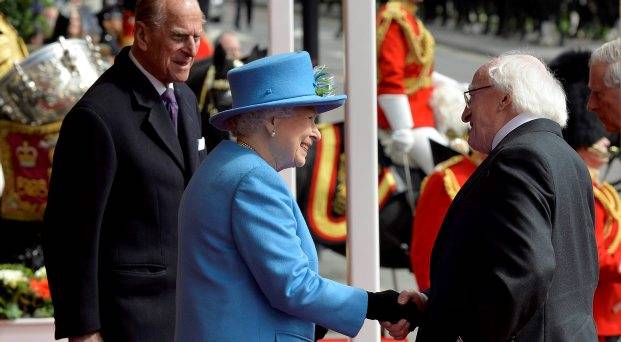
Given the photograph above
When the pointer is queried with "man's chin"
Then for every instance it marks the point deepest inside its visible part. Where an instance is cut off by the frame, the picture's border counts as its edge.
(181, 74)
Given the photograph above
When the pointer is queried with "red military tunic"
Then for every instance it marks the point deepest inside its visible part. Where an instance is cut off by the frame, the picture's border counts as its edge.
(405, 60)
(437, 193)
(607, 300)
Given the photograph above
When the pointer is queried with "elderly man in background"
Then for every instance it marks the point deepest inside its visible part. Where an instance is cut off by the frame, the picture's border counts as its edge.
(125, 153)
(515, 258)
(587, 135)
(605, 84)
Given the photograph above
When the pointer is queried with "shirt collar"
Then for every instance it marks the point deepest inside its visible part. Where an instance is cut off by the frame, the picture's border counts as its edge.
(514, 123)
(157, 84)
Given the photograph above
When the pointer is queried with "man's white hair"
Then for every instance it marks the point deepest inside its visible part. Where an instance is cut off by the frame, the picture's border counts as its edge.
(609, 54)
(248, 123)
(532, 86)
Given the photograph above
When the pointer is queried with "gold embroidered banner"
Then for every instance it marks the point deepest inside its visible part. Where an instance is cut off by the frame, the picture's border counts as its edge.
(326, 204)
(26, 156)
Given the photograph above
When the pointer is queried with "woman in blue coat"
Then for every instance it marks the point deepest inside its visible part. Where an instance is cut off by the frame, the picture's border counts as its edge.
(248, 268)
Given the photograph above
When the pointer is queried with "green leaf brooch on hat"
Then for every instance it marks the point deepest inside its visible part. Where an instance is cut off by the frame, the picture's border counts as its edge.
(324, 81)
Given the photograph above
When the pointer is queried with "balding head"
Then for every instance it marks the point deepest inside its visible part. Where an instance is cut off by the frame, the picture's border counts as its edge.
(166, 37)
(230, 44)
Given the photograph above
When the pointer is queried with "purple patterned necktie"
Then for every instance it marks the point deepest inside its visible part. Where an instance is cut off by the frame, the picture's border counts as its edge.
(171, 105)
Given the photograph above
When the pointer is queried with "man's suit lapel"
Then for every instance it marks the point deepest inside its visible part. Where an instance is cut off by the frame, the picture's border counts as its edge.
(157, 119)
(187, 128)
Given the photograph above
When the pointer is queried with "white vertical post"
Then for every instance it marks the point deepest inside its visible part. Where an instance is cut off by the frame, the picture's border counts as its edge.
(361, 149)
(281, 40)
(1, 181)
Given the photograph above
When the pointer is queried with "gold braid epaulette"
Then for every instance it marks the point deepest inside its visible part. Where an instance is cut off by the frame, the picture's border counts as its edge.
(207, 85)
(421, 47)
(450, 180)
(451, 185)
(609, 198)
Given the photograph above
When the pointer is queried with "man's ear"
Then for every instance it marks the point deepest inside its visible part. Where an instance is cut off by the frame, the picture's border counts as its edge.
(141, 38)
(505, 102)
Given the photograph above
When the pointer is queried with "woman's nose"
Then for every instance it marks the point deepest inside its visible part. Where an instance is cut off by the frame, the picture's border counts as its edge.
(316, 133)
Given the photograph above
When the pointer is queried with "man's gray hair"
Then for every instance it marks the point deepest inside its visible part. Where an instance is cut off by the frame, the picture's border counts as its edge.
(609, 54)
(533, 88)
(248, 123)
(151, 12)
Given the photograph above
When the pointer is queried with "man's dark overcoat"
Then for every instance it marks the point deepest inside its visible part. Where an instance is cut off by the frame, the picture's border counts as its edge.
(118, 174)
(515, 259)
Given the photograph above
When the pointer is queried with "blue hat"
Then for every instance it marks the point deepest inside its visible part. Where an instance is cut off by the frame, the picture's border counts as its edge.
(284, 80)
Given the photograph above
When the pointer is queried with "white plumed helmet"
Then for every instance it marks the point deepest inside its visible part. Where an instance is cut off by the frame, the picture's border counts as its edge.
(447, 102)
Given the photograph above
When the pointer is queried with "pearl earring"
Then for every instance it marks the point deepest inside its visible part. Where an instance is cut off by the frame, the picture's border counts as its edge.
(273, 134)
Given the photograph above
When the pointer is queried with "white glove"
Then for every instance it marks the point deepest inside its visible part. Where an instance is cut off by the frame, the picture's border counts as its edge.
(402, 141)
(397, 110)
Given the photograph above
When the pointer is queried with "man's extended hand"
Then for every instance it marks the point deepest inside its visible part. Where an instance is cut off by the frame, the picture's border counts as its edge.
(415, 304)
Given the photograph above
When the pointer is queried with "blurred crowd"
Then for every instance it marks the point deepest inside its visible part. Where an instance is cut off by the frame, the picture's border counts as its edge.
(108, 22)
(539, 19)
(547, 22)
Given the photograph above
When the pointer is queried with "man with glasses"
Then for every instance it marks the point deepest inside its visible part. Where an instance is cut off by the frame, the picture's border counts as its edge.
(467, 95)
(515, 258)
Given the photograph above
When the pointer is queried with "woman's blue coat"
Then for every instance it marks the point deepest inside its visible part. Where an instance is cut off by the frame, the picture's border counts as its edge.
(248, 268)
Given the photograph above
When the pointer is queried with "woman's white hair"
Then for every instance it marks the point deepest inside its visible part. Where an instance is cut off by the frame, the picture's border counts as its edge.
(248, 123)
(609, 54)
(532, 86)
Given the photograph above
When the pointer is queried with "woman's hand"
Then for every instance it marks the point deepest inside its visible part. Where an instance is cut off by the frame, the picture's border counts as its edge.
(402, 328)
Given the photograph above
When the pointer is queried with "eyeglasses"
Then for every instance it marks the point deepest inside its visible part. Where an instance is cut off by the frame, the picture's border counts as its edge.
(467, 96)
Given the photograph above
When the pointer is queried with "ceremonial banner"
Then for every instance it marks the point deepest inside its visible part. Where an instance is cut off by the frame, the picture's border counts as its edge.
(324, 202)
(26, 156)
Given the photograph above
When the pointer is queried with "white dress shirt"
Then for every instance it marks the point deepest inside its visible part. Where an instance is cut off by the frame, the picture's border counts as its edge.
(514, 123)
(159, 86)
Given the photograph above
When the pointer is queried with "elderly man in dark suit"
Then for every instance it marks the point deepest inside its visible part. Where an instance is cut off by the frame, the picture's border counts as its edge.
(515, 258)
(124, 156)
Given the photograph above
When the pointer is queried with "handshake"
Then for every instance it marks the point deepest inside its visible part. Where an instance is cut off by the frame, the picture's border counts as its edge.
(385, 307)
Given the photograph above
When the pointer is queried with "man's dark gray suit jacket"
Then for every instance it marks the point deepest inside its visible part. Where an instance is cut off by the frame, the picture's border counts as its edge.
(516, 258)
(110, 240)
